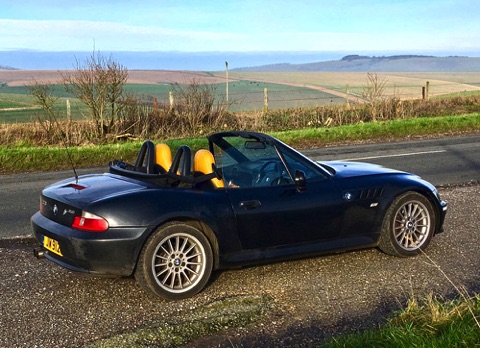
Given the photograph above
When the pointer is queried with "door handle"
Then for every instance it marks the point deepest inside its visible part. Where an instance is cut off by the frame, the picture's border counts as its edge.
(250, 204)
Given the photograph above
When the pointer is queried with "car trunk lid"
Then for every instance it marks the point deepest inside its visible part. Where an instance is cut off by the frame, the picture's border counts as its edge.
(65, 199)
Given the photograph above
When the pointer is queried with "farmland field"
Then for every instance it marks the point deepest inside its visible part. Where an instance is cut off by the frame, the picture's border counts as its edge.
(401, 84)
(246, 89)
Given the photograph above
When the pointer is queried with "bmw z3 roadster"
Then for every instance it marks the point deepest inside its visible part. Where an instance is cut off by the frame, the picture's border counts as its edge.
(170, 220)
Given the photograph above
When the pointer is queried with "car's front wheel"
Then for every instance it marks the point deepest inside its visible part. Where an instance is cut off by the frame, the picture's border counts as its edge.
(408, 225)
(176, 262)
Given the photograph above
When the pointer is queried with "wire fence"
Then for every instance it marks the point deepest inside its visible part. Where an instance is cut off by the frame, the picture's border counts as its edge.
(257, 97)
(284, 97)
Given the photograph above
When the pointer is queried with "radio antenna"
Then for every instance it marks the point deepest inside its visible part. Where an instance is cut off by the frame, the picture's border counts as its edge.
(70, 159)
(43, 94)
(66, 142)
(69, 156)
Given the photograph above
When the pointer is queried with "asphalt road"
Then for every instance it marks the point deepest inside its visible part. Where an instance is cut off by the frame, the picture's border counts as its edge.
(43, 305)
(441, 161)
(445, 161)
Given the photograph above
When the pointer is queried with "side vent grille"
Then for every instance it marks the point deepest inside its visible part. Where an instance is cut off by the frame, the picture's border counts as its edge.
(370, 193)
(363, 194)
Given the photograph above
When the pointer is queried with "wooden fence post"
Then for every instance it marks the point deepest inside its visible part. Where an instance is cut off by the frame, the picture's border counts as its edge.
(69, 113)
(265, 99)
(427, 86)
(347, 99)
(69, 120)
(172, 100)
(423, 93)
(226, 84)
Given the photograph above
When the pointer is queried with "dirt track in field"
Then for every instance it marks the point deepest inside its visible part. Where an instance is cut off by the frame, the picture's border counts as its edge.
(337, 93)
(27, 77)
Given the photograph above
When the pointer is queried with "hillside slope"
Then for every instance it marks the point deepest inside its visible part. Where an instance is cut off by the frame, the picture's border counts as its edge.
(355, 63)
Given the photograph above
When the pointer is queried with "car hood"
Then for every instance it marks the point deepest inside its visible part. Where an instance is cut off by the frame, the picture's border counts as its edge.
(354, 169)
(90, 188)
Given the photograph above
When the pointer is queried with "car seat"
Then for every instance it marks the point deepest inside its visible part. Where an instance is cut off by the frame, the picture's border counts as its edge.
(163, 157)
(204, 163)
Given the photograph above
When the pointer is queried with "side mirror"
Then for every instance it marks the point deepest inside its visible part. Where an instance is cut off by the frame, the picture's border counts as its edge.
(300, 180)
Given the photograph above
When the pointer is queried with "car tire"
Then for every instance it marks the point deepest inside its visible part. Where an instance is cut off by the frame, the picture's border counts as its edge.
(176, 262)
(408, 225)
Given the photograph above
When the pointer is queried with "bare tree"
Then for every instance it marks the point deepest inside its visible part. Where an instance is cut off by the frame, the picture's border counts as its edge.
(374, 94)
(43, 96)
(374, 91)
(99, 84)
(195, 104)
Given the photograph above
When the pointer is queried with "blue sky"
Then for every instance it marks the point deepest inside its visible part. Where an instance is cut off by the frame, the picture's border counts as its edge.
(408, 26)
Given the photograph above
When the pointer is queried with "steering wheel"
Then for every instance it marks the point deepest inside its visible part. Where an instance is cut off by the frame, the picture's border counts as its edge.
(263, 172)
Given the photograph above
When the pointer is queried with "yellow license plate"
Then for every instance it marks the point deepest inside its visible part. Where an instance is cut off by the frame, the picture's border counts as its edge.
(52, 245)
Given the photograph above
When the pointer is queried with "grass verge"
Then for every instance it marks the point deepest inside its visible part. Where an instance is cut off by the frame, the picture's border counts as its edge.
(432, 323)
(24, 158)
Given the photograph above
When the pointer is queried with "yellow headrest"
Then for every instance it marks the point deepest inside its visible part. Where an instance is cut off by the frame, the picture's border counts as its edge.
(163, 156)
(202, 163)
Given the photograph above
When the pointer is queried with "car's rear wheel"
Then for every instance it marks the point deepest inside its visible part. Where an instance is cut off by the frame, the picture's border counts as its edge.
(176, 262)
(408, 225)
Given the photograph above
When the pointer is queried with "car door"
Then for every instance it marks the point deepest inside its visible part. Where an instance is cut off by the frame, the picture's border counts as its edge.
(272, 216)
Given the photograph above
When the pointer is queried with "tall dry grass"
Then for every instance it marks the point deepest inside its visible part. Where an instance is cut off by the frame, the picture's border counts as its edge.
(191, 121)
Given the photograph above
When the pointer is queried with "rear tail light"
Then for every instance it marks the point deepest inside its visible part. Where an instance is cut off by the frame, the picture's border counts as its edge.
(42, 206)
(90, 222)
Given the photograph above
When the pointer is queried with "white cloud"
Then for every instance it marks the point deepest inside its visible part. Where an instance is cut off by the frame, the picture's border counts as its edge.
(80, 35)
(64, 35)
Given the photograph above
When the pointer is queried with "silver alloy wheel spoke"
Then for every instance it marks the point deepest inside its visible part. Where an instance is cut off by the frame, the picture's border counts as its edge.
(178, 262)
(182, 248)
(411, 225)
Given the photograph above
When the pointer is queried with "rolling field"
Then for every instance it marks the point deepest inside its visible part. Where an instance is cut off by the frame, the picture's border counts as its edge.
(246, 89)
(402, 85)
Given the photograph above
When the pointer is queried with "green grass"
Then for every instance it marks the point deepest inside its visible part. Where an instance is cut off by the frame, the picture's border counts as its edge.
(26, 110)
(18, 116)
(31, 112)
(432, 324)
(249, 95)
(395, 129)
(14, 100)
(22, 159)
(17, 159)
(245, 95)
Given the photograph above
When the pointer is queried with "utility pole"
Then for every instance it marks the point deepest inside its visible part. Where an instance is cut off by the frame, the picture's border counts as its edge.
(226, 84)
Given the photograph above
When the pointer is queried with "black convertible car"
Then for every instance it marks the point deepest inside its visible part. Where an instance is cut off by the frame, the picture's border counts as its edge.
(249, 198)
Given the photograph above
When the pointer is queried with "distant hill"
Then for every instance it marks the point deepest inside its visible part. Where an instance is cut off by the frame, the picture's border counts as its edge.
(246, 61)
(157, 60)
(6, 67)
(357, 63)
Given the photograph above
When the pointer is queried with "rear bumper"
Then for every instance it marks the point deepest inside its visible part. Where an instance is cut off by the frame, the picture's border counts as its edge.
(111, 253)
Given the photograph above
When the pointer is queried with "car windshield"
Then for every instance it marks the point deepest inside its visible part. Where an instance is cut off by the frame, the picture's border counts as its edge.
(247, 162)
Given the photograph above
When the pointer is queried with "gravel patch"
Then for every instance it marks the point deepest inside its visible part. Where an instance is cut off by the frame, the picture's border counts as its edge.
(43, 305)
